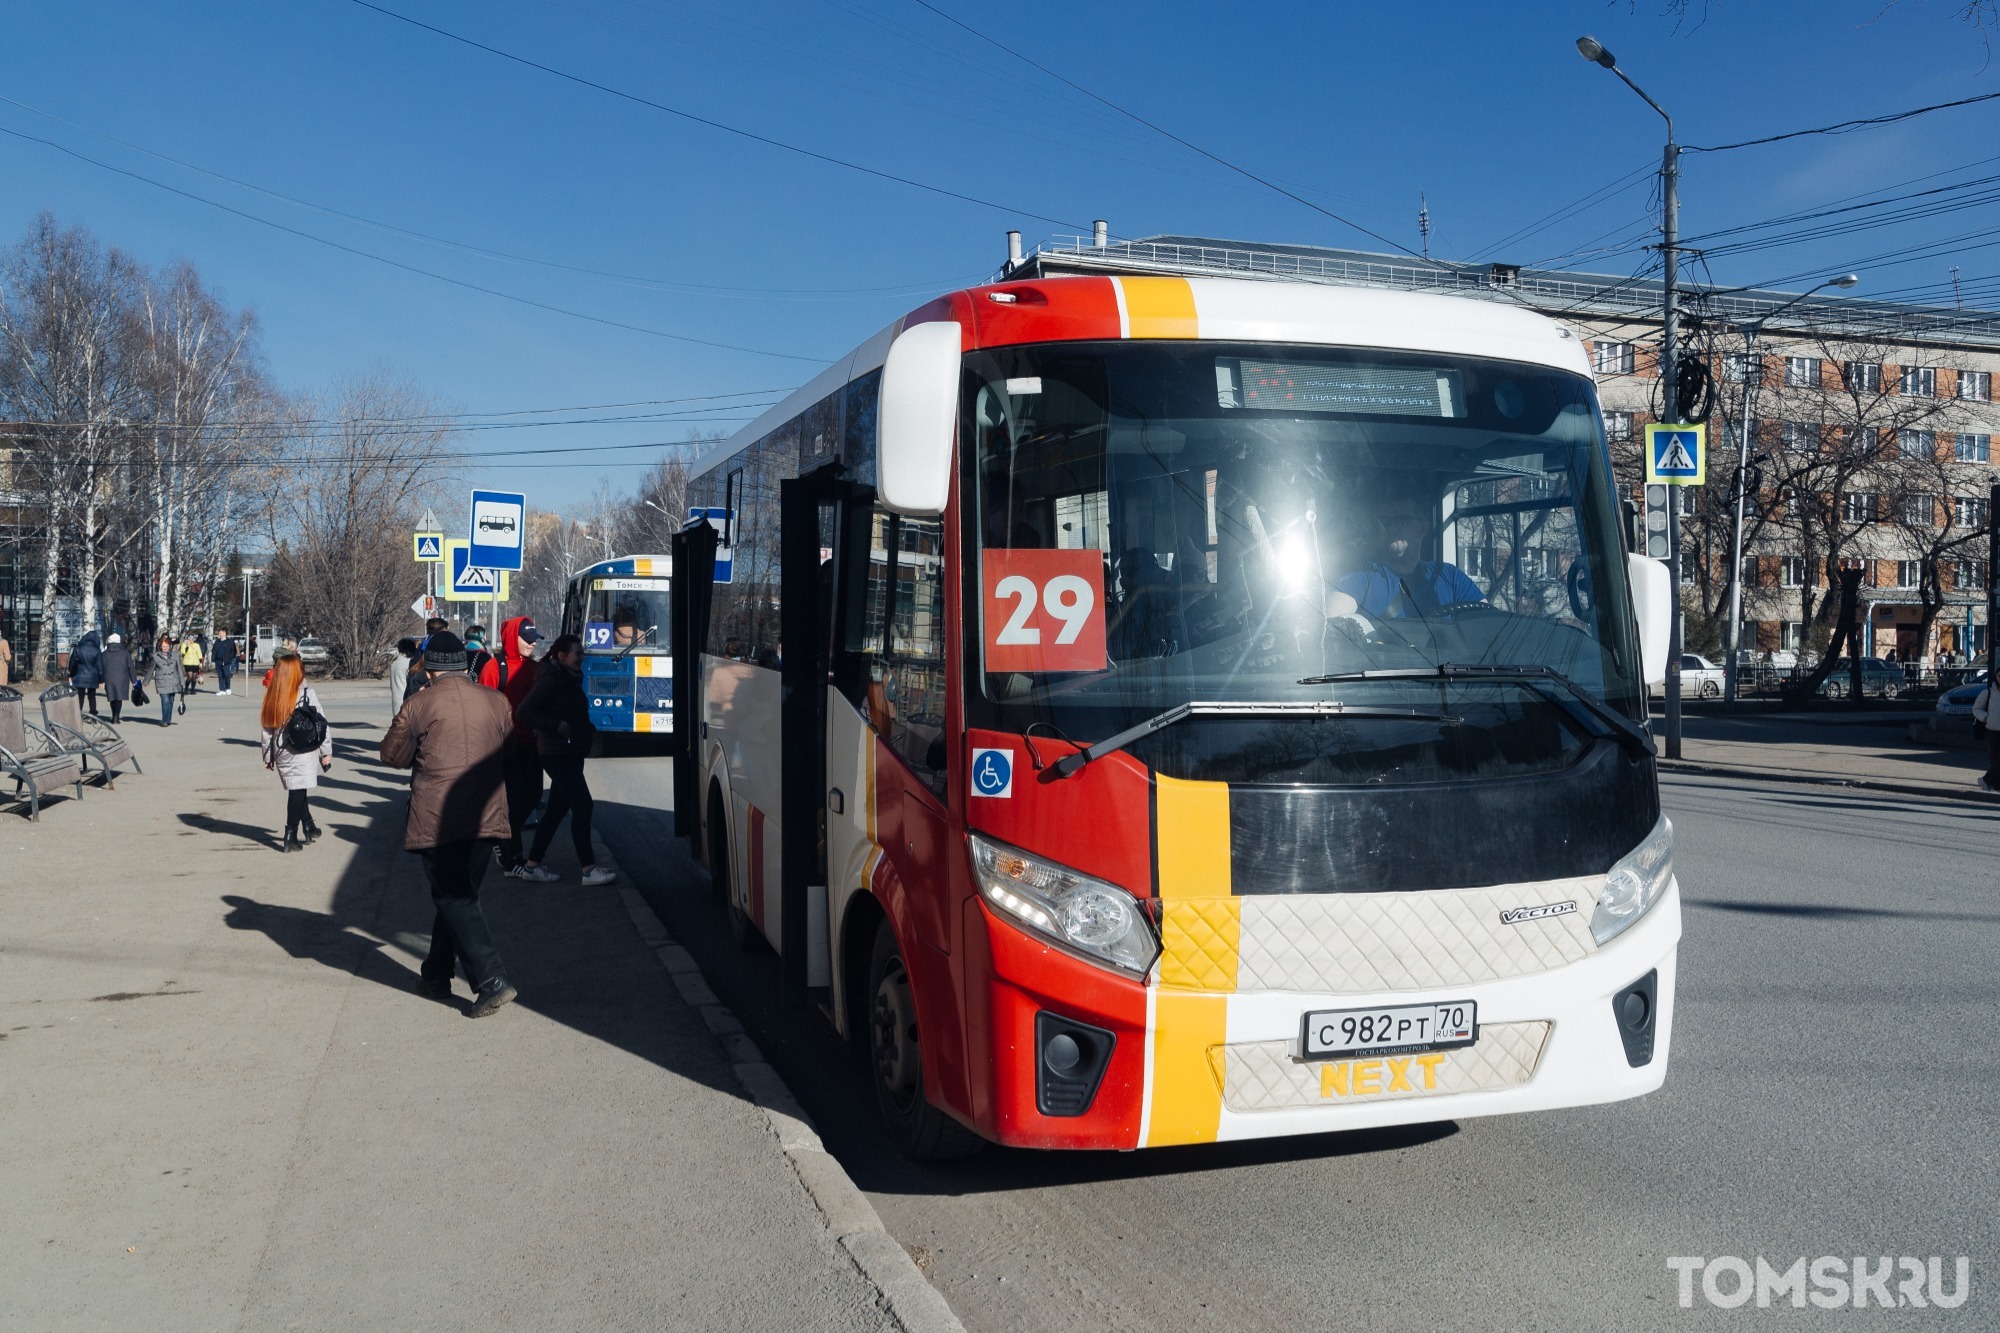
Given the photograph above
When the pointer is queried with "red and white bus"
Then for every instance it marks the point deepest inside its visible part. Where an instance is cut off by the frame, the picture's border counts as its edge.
(1212, 709)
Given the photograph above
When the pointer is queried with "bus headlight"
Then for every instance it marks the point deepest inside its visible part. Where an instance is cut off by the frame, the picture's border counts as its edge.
(1084, 915)
(1635, 883)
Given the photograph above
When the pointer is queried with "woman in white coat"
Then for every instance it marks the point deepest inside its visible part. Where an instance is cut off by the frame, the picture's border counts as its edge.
(299, 771)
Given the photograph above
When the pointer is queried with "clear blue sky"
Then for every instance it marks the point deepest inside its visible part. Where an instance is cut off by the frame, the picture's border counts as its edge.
(1485, 108)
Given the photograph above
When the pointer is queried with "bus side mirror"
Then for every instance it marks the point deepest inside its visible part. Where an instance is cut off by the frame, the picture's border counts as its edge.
(1653, 606)
(918, 415)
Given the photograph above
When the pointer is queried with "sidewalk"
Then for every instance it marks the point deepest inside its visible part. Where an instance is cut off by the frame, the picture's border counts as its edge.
(1869, 749)
(224, 1107)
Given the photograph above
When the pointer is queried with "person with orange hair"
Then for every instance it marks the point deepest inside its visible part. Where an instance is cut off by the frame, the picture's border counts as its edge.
(291, 717)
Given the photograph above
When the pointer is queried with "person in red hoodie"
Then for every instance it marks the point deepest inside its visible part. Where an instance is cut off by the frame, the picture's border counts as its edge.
(513, 674)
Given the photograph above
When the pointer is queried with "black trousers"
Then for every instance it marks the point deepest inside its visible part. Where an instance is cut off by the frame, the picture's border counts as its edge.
(87, 694)
(298, 815)
(524, 788)
(117, 704)
(458, 932)
(569, 795)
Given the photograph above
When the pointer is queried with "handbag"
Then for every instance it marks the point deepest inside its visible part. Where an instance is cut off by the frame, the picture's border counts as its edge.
(138, 694)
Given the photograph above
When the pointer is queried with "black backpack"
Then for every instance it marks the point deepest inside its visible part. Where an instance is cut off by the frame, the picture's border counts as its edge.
(305, 730)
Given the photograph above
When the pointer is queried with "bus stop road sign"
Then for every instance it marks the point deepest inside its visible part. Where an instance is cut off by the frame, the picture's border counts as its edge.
(497, 520)
(1676, 455)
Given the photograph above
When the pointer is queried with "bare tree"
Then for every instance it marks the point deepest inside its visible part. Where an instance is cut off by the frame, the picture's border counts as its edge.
(365, 463)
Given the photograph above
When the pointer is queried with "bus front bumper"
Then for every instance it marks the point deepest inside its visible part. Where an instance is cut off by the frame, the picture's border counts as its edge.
(1196, 1067)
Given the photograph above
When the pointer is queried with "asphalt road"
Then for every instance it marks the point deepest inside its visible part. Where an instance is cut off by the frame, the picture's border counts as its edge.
(1832, 1091)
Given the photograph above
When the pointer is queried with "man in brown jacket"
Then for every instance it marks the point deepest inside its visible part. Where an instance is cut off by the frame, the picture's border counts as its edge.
(454, 735)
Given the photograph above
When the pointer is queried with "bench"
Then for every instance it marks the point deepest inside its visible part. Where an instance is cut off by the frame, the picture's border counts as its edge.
(86, 737)
(31, 756)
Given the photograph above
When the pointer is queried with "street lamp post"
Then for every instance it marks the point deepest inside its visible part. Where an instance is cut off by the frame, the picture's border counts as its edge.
(1670, 171)
(1733, 629)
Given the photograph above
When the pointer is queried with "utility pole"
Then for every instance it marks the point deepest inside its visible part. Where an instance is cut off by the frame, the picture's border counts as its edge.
(1424, 224)
(1670, 172)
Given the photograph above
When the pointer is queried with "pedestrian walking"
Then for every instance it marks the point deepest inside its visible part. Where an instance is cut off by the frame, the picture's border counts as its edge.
(297, 744)
(559, 715)
(6, 660)
(399, 675)
(1986, 722)
(418, 675)
(119, 675)
(454, 734)
(86, 669)
(164, 674)
(191, 658)
(514, 676)
(225, 657)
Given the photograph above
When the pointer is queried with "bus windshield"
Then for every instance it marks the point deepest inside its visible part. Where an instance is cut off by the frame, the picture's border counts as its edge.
(1260, 524)
(627, 615)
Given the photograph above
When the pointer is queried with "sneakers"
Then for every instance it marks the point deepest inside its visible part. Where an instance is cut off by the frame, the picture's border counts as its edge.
(533, 874)
(434, 988)
(493, 996)
(595, 876)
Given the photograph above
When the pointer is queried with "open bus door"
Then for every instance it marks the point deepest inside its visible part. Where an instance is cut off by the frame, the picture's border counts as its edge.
(812, 509)
(693, 550)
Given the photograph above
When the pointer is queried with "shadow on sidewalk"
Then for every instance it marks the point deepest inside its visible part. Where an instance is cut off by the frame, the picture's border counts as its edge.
(572, 952)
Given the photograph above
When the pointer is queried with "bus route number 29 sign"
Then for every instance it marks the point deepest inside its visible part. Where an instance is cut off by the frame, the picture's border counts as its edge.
(1044, 610)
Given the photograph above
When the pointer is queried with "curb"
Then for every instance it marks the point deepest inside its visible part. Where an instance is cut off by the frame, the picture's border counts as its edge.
(910, 1299)
(1971, 794)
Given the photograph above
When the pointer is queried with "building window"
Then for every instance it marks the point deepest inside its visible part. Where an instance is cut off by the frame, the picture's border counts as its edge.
(1968, 511)
(1740, 366)
(1862, 376)
(1918, 382)
(1861, 440)
(1918, 444)
(1731, 433)
(1968, 575)
(1801, 437)
(1907, 573)
(1613, 358)
(1791, 571)
(1748, 574)
(1618, 427)
(1790, 636)
(1974, 449)
(1857, 507)
(1866, 568)
(1802, 372)
(1976, 385)
(1919, 511)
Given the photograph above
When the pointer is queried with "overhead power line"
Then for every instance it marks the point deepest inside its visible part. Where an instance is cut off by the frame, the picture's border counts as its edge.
(1245, 172)
(408, 268)
(713, 124)
(1843, 127)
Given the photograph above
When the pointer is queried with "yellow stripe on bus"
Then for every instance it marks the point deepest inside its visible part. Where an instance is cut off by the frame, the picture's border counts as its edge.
(1159, 308)
(1200, 927)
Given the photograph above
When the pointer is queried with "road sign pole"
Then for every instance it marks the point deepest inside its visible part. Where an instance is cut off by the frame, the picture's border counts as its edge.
(1670, 171)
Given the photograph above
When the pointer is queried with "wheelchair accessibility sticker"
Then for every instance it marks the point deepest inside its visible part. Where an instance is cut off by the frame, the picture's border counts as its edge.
(992, 772)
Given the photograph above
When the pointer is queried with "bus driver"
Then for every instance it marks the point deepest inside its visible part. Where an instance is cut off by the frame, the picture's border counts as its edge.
(1400, 583)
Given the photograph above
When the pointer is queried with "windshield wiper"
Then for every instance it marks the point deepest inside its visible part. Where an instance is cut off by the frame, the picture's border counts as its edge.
(1070, 763)
(1609, 721)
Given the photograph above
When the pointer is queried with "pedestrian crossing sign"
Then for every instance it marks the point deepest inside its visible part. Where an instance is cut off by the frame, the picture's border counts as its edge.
(1676, 455)
(471, 582)
(430, 548)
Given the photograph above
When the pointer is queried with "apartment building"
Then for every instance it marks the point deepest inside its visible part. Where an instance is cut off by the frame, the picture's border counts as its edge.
(1871, 428)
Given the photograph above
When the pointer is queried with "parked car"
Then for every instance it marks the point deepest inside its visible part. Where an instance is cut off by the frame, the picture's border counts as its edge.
(1957, 703)
(314, 655)
(1700, 678)
(1879, 679)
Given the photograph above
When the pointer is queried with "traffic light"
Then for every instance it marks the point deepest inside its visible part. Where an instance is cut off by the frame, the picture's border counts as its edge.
(1657, 500)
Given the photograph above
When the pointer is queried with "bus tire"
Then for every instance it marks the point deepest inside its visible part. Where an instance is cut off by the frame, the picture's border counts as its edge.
(718, 850)
(920, 1131)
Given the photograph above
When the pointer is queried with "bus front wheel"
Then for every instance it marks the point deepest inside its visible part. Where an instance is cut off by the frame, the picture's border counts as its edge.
(896, 1062)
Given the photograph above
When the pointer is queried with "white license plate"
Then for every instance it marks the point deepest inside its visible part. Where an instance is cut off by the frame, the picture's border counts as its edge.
(1393, 1029)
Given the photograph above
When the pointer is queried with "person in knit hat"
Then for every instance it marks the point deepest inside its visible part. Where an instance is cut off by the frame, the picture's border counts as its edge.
(454, 734)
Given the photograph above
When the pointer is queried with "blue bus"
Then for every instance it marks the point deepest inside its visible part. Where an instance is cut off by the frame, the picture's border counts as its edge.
(619, 609)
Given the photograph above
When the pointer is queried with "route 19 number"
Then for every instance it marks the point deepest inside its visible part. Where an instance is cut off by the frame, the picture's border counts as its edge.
(1044, 610)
